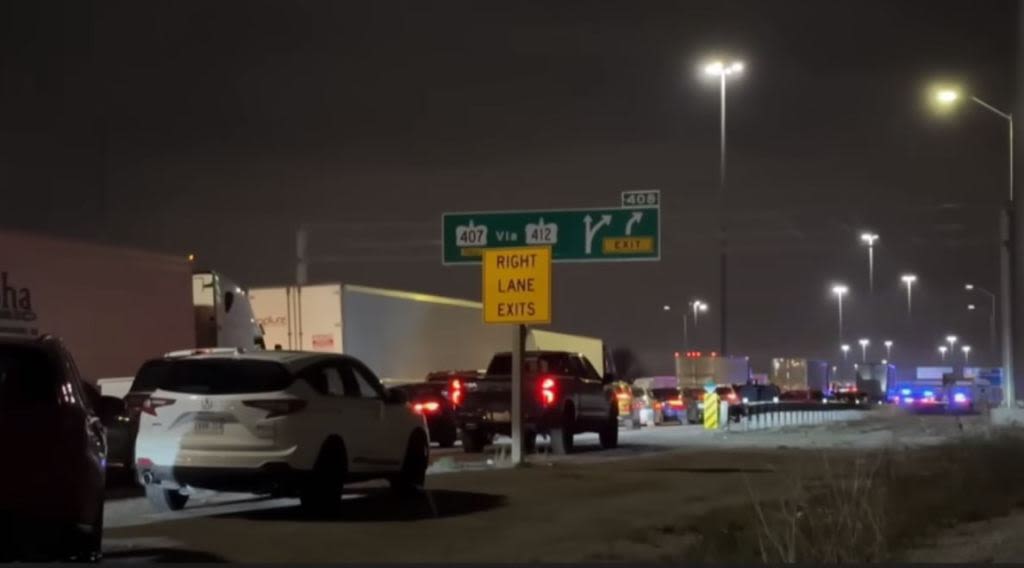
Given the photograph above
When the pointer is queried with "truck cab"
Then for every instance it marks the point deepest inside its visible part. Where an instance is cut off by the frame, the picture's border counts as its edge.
(223, 314)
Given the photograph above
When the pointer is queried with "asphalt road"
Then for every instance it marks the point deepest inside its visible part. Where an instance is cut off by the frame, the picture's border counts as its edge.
(584, 507)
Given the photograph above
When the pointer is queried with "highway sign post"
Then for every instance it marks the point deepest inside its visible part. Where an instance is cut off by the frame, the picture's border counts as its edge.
(516, 249)
(517, 290)
(578, 235)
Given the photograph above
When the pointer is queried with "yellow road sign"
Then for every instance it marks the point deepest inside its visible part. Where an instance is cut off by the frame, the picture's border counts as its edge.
(711, 401)
(517, 285)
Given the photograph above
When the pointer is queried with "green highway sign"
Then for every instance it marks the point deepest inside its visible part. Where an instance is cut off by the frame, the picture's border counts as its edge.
(574, 235)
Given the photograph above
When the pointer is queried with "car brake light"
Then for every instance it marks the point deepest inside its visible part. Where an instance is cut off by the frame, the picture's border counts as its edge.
(429, 407)
(150, 405)
(622, 396)
(144, 463)
(455, 392)
(676, 403)
(277, 407)
(547, 391)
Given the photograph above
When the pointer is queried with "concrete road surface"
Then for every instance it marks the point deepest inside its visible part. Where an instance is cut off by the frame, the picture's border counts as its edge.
(595, 505)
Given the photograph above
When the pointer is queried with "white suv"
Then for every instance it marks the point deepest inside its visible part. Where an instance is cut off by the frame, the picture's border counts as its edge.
(274, 422)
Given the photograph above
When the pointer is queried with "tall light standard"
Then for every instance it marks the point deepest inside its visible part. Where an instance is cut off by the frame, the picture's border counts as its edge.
(864, 350)
(942, 352)
(908, 281)
(992, 312)
(951, 340)
(869, 239)
(698, 307)
(723, 70)
(946, 97)
(686, 327)
(967, 354)
(840, 290)
(888, 348)
(845, 348)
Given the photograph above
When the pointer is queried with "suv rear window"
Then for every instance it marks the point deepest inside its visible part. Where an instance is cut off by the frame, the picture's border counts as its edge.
(27, 375)
(212, 376)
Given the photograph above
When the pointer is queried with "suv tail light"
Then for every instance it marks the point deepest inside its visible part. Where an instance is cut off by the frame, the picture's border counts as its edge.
(676, 403)
(429, 407)
(455, 392)
(277, 407)
(150, 405)
(547, 391)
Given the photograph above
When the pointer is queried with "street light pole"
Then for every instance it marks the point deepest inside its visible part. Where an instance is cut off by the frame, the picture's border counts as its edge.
(888, 349)
(909, 280)
(840, 290)
(942, 352)
(1006, 265)
(869, 239)
(722, 70)
(991, 313)
(864, 350)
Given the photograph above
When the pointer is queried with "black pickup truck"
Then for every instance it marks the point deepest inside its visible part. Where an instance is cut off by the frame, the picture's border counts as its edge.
(563, 395)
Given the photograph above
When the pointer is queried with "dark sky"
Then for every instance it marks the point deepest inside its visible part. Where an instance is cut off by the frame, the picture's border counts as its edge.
(218, 127)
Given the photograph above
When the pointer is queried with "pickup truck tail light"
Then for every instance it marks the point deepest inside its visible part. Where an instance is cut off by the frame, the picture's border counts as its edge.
(547, 391)
(676, 403)
(455, 392)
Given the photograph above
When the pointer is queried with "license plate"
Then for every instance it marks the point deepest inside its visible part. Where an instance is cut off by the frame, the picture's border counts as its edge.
(501, 417)
(209, 427)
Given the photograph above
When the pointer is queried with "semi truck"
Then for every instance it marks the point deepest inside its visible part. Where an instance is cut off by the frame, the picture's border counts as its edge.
(117, 307)
(404, 336)
(695, 369)
(800, 374)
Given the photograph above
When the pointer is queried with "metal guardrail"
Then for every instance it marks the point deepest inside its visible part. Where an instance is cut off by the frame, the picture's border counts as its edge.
(757, 415)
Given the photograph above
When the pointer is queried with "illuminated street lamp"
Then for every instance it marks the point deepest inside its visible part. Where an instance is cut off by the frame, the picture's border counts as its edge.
(967, 354)
(945, 97)
(991, 314)
(951, 340)
(846, 350)
(942, 351)
(864, 350)
(869, 239)
(698, 307)
(722, 70)
(888, 348)
(908, 281)
(840, 290)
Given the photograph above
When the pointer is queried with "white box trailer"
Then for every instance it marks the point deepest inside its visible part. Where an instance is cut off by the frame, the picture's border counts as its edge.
(402, 336)
(116, 307)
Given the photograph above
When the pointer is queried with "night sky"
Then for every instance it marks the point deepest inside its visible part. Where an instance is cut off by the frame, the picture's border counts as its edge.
(218, 127)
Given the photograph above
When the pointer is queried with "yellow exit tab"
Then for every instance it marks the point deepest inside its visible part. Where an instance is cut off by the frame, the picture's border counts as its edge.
(517, 285)
(627, 245)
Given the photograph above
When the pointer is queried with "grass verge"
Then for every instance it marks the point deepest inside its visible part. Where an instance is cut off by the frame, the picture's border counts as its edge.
(867, 507)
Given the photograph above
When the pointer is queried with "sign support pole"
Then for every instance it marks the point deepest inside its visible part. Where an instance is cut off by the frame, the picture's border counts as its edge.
(518, 348)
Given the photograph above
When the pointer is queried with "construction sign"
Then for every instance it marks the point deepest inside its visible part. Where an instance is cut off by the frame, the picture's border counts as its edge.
(711, 404)
(517, 285)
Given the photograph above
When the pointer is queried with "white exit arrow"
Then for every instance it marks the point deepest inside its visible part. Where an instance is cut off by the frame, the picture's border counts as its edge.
(637, 215)
(592, 230)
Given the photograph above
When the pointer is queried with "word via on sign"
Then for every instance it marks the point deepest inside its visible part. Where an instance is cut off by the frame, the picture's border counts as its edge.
(517, 285)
